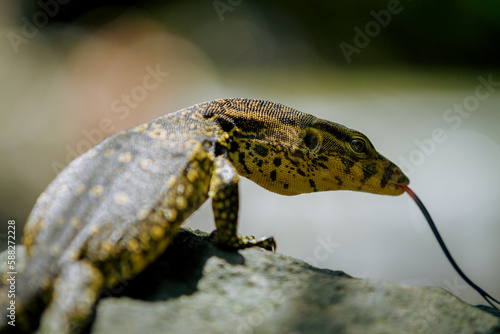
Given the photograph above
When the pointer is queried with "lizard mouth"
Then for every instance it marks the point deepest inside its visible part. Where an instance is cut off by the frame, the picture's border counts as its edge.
(397, 189)
(395, 179)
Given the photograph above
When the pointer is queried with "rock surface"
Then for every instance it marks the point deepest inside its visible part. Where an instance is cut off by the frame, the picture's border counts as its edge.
(197, 288)
(201, 289)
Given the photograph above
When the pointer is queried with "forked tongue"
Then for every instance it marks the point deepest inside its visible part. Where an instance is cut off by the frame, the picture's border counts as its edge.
(427, 216)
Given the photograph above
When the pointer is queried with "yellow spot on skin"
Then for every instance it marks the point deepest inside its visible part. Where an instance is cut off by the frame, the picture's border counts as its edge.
(145, 240)
(62, 189)
(143, 213)
(73, 254)
(171, 181)
(96, 190)
(94, 230)
(206, 164)
(171, 214)
(181, 202)
(158, 217)
(158, 133)
(141, 128)
(76, 223)
(125, 157)
(133, 246)
(107, 246)
(157, 232)
(138, 262)
(121, 198)
(91, 153)
(192, 175)
(80, 189)
(109, 152)
(146, 164)
(189, 190)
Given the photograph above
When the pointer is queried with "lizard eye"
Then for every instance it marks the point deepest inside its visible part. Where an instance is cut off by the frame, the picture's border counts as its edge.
(312, 140)
(357, 145)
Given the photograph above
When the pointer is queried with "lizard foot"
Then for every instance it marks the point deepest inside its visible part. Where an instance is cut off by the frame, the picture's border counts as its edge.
(241, 241)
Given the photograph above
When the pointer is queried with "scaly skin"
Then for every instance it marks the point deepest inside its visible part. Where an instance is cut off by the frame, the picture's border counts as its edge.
(113, 210)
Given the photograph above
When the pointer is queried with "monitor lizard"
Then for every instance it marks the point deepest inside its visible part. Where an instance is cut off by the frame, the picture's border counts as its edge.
(114, 209)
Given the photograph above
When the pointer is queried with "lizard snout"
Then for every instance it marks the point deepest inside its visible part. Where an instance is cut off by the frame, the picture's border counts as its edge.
(393, 178)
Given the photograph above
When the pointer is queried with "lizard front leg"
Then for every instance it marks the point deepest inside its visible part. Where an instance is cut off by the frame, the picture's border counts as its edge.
(225, 204)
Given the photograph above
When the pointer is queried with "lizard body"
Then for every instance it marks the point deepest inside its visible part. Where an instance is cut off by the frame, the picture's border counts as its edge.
(114, 209)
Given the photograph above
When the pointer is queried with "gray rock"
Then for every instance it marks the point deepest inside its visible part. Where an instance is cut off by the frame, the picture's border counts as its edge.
(197, 288)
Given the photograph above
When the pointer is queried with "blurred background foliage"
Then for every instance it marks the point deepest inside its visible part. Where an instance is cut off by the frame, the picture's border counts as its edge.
(72, 73)
(297, 33)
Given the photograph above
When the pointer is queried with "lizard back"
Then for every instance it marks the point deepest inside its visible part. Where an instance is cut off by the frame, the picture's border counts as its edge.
(124, 195)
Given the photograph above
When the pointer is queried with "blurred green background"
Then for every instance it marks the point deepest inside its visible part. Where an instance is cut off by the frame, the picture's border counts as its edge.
(420, 78)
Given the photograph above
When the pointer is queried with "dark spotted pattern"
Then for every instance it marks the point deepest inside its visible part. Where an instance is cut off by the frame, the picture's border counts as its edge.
(261, 150)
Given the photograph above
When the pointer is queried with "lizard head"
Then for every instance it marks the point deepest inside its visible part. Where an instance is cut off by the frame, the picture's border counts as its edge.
(289, 152)
(347, 160)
